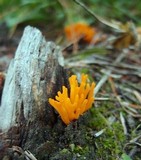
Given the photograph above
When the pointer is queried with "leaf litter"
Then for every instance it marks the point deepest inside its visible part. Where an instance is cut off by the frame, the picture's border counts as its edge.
(117, 71)
(116, 67)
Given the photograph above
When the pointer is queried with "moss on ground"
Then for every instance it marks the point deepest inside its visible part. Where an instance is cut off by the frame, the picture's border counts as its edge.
(109, 144)
(80, 139)
(96, 135)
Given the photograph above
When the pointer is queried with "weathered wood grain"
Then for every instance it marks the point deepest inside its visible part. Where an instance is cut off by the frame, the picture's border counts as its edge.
(36, 68)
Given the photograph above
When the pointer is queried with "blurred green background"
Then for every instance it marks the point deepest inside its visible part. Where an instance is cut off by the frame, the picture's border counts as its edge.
(61, 12)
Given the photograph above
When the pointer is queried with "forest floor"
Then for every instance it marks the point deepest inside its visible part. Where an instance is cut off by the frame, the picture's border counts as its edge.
(111, 129)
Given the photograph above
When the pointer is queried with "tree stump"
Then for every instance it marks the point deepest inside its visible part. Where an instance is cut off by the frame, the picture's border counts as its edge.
(34, 75)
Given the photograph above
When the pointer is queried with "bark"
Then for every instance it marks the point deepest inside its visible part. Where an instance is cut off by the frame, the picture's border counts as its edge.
(35, 74)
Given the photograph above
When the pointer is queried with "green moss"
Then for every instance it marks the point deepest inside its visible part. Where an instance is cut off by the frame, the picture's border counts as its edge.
(79, 140)
(62, 154)
(101, 114)
(82, 152)
(109, 144)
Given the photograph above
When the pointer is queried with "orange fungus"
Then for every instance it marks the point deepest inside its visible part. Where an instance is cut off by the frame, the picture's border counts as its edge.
(70, 104)
(79, 30)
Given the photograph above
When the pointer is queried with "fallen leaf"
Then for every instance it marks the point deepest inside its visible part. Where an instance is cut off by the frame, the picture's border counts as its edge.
(129, 37)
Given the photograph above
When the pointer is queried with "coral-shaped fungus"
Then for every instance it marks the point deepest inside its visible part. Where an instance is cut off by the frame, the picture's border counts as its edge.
(76, 31)
(73, 103)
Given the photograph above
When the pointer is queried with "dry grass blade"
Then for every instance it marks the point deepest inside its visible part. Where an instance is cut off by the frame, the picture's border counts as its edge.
(102, 20)
(138, 96)
(29, 155)
(105, 77)
(123, 123)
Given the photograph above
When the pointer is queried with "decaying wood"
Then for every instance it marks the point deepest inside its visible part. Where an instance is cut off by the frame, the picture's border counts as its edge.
(35, 74)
